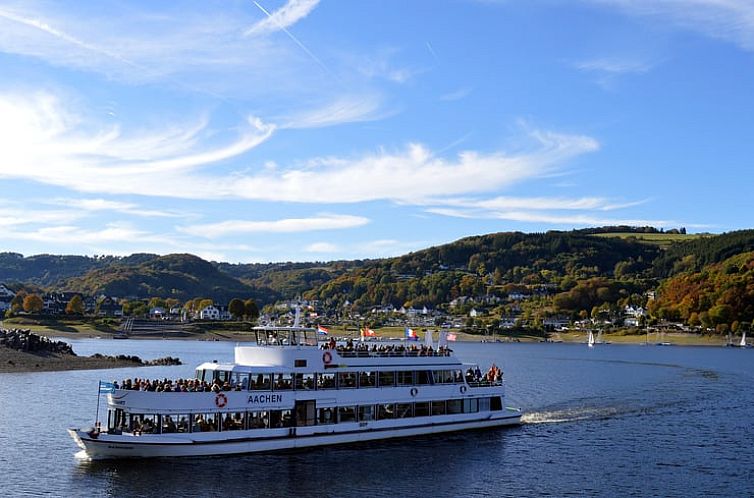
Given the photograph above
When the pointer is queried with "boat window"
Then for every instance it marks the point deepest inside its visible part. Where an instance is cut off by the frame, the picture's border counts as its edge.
(443, 376)
(222, 376)
(183, 423)
(387, 379)
(169, 424)
(496, 403)
(258, 420)
(458, 377)
(346, 414)
(326, 381)
(367, 379)
(346, 380)
(239, 380)
(261, 382)
(204, 422)
(326, 416)
(283, 381)
(438, 408)
(144, 424)
(233, 421)
(405, 378)
(470, 406)
(366, 413)
(385, 411)
(484, 404)
(455, 406)
(404, 410)
(423, 377)
(304, 381)
(421, 409)
(199, 374)
(280, 419)
(116, 421)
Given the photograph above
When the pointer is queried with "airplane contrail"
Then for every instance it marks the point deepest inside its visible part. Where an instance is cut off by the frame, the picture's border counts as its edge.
(296, 40)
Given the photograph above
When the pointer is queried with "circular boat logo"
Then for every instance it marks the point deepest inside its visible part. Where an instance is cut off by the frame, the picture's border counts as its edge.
(221, 400)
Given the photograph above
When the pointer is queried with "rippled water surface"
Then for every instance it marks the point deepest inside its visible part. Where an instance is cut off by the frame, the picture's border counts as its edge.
(612, 421)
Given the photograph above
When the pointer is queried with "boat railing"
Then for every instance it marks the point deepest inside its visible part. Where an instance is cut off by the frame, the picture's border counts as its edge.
(485, 383)
(390, 354)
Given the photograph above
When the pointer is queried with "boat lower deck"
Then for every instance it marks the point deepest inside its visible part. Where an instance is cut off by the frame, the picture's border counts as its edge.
(129, 446)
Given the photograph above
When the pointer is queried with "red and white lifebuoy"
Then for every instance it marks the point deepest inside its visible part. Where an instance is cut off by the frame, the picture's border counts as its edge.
(221, 400)
(463, 389)
(327, 358)
(414, 391)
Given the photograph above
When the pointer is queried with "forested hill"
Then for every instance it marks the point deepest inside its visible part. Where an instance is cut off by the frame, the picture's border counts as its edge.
(470, 266)
(180, 276)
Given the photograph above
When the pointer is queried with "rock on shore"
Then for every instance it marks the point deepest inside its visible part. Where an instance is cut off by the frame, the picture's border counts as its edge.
(24, 351)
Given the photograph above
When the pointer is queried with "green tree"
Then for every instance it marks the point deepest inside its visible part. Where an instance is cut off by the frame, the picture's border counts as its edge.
(33, 303)
(75, 306)
(236, 308)
(251, 310)
(17, 303)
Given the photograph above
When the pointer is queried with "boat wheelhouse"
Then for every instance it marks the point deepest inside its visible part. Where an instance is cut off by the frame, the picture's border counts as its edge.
(291, 391)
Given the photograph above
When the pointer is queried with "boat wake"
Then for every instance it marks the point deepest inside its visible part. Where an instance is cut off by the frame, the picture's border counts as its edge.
(570, 415)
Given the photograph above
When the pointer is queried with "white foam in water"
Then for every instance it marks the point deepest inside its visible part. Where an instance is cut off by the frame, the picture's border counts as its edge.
(569, 415)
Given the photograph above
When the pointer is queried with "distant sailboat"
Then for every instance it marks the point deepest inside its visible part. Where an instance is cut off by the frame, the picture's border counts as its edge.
(743, 344)
(590, 339)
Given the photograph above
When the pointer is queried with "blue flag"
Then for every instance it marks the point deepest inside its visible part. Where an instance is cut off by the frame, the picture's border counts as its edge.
(106, 387)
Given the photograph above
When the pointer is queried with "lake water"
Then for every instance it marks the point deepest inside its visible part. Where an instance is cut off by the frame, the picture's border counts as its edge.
(612, 421)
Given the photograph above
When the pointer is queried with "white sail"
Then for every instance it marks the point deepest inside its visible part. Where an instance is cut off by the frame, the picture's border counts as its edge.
(743, 339)
(590, 340)
(428, 339)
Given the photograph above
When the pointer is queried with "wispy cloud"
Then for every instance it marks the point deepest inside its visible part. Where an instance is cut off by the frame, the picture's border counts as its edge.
(569, 220)
(46, 142)
(346, 109)
(290, 225)
(322, 247)
(458, 94)
(95, 205)
(613, 66)
(284, 17)
(730, 20)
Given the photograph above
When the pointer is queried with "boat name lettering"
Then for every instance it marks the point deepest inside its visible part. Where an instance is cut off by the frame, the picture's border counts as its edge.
(266, 398)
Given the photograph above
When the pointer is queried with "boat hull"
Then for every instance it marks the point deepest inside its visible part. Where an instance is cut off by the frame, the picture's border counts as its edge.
(107, 446)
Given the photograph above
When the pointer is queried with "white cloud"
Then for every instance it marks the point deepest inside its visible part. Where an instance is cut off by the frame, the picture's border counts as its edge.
(346, 109)
(290, 225)
(284, 17)
(458, 94)
(93, 205)
(44, 141)
(730, 20)
(539, 203)
(614, 66)
(555, 219)
(321, 247)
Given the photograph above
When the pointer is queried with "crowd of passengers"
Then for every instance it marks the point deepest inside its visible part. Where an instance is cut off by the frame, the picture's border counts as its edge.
(493, 375)
(180, 385)
(399, 349)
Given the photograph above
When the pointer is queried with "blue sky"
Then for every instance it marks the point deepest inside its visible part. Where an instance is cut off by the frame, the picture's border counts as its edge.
(301, 130)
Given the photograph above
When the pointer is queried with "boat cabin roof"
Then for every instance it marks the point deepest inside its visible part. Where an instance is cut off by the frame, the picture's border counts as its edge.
(285, 336)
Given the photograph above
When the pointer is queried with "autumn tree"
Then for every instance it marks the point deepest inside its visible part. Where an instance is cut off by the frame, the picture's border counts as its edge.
(236, 308)
(75, 306)
(33, 303)
(251, 310)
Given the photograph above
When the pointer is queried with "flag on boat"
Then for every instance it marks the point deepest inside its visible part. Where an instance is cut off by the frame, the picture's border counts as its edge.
(451, 336)
(411, 335)
(322, 330)
(106, 387)
(367, 332)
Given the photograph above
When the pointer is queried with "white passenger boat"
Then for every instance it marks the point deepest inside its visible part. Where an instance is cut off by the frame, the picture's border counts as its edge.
(290, 391)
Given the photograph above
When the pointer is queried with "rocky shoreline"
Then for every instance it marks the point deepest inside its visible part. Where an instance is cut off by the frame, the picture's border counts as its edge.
(23, 351)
